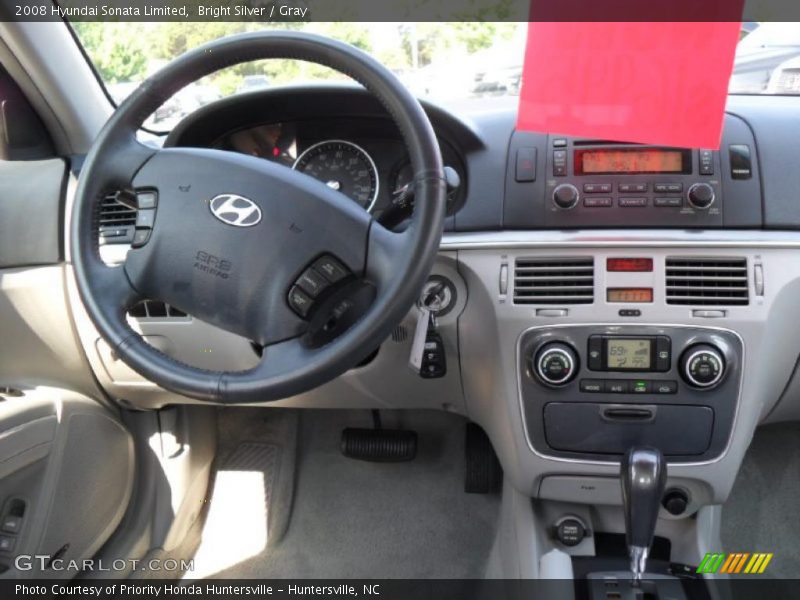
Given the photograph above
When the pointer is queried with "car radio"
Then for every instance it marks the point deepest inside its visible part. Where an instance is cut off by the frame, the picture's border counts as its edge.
(598, 181)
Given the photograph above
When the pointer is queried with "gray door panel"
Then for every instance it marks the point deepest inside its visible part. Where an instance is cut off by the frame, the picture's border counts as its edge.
(66, 476)
(31, 212)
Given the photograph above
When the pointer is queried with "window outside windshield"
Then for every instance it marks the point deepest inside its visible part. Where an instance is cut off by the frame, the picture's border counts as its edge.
(444, 62)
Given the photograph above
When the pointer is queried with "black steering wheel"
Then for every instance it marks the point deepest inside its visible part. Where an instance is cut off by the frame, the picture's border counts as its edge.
(251, 246)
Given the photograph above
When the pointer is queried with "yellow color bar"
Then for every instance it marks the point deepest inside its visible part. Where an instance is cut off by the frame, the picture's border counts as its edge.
(764, 564)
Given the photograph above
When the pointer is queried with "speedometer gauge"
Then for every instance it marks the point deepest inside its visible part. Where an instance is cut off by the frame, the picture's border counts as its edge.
(343, 167)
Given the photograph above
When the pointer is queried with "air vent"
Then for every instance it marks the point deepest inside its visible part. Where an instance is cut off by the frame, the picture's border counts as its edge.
(154, 309)
(568, 280)
(707, 281)
(117, 222)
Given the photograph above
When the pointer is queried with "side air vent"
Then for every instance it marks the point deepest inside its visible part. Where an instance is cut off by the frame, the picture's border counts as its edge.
(568, 280)
(154, 309)
(117, 222)
(701, 281)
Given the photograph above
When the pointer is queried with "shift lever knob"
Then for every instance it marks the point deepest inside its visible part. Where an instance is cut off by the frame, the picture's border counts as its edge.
(643, 475)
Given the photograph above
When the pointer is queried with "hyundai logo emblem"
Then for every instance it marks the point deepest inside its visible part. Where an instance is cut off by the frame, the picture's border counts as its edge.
(235, 210)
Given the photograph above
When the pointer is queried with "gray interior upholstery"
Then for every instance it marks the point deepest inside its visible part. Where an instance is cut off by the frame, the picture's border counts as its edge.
(760, 515)
(360, 519)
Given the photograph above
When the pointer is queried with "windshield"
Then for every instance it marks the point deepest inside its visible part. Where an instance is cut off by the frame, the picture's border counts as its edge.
(439, 61)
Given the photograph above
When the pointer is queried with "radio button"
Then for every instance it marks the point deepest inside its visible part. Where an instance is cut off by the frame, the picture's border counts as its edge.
(566, 196)
(632, 187)
(673, 201)
(632, 202)
(598, 202)
(706, 159)
(592, 386)
(559, 162)
(668, 188)
(700, 195)
(597, 188)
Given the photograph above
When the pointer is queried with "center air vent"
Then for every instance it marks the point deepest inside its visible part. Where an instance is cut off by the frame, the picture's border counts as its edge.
(700, 281)
(117, 222)
(568, 280)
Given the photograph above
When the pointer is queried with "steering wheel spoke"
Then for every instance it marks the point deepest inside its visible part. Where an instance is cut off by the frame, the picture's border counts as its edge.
(383, 249)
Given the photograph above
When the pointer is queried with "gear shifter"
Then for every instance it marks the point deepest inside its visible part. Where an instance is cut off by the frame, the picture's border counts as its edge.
(643, 474)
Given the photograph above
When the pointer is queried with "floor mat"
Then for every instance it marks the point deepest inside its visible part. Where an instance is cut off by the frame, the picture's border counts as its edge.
(760, 515)
(352, 518)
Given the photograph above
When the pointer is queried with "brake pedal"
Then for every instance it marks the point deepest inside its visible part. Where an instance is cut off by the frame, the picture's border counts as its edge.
(379, 444)
(484, 475)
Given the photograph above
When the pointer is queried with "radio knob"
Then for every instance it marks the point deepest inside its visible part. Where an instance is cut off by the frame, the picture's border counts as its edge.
(700, 195)
(702, 366)
(556, 364)
(566, 196)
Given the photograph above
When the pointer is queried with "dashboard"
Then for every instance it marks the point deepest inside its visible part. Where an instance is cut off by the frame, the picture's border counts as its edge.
(594, 293)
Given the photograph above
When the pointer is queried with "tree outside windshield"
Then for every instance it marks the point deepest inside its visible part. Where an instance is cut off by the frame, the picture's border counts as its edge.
(439, 61)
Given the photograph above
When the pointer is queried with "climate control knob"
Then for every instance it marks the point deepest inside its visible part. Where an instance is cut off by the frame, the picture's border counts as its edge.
(566, 196)
(700, 195)
(702, 366)
(556, 364)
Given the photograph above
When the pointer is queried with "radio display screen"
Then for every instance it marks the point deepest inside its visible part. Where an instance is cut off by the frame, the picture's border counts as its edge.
(627, 354)
(608, 161)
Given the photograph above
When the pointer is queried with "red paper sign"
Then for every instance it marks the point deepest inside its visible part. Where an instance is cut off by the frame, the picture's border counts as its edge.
(655, 83)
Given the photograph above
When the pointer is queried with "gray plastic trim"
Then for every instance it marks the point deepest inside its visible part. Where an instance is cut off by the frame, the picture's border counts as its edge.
(599, 327)
(621, 238)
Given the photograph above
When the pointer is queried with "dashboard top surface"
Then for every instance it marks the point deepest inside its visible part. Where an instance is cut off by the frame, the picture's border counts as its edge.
(309, 128)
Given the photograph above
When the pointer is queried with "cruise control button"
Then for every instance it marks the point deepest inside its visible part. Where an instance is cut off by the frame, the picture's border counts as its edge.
(331, 268)
(616, 386)
(299, 301)
(592, 386)
(665, 387)
(312, 282)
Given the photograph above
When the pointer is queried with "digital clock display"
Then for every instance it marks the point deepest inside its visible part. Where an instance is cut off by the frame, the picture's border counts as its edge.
(613, 161)
(629, 295)
(626, 354)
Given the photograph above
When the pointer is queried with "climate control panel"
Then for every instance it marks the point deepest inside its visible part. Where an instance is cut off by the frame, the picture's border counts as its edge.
(587, 391)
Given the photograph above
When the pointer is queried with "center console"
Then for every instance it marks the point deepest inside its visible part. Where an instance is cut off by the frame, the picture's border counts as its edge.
(590, 392)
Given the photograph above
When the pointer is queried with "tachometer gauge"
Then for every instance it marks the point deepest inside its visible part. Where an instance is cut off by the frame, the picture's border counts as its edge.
(343, 167)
